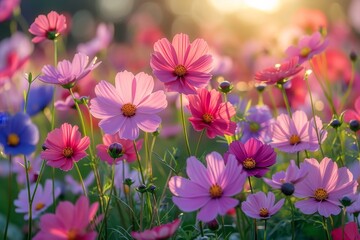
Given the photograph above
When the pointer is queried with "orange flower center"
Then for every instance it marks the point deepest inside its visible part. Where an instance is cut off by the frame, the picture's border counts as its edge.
(215, 191)
(304, 52)
(180, 70)
(321, 194)
(294, 139)
(208, 118)
(68, 152)
(249, 163)
(13, 140)
(72, 234)
(254, 127)
(128, 110)
(264, 212)
(39, 206)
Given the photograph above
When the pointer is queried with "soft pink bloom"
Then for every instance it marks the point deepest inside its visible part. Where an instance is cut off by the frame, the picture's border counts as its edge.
(182, 66)
(69, 221)
(310, 20)
(254, 156)
(48, 27)
(64, 146)
(260, 206)
(308, 47)
(128, 151)
(42, 200)
(34, 165)
(164, 231)
(324, 187)
(128, 106)
(7, 7)
(210, 189)
(75, 186)
(68, 73)
(67, 104)
(297, 133)
(351, 232)
(209, 112)
(353, 114)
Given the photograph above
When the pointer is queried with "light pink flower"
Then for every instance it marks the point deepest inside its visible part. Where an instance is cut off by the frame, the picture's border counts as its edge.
(7, 7)
(260, 206)
(128, 106)
(164, 231)
(353, 114)
(64, 146)
(324, 187)
(48, 27)
(209, 112)
(182, 66)
(69, 221)
(208, 189)
(68, 73)
(75, 187)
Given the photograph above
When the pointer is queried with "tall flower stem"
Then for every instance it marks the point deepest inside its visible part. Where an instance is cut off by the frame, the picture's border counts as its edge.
(81, 179)
(147, 156)
(198, 143)
(9, 199)
(286, 100)
(29, 195)
(298, 158)
(349, 88)
(255, 224)
(265, 229)
(138, 161)
(184, 126)
(292, 218)
(201, 228)
(326, 228)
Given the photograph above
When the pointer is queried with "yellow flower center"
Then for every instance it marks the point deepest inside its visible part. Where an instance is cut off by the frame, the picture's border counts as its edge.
(208, 118)
(294, 139)
(305, 51)
(254, 127)
(249, 163)
(13, 140)
(264, 212)
(128, 110)
(321, 194)
(180, 70)
(39, 206)
(215, 191)
(72, 234)
(68, 152)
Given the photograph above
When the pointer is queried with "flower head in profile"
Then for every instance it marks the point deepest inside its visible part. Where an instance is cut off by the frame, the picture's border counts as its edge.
(129, 106)
(350, 231)
(69, 221)
(164, 231)
(324, 187)
(260, 206)
(64, 146)
(68, 73)
(182, 66)
(48, 27)
(7, 7)
(209, 112)
(75, 187)
(210, 189)
(254, 156)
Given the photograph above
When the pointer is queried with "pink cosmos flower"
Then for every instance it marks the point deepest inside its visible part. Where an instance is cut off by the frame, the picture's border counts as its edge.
(353, 114)
(67, 104)
(182, 66)
(68, 73)
(48, 27)
(208, 189)
(210, 113)
(7, 7)
(297, 133)
(128, 151)
(164, 231)
(324, 187)
(75, 187)
(64, 146)
(280, 73)
(307, 47)
(351, 232)
(254, 156)
(69, 221)
(128, 106)
(260, 206)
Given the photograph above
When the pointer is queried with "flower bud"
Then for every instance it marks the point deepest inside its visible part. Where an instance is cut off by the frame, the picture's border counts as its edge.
(128, 182)
(213, 225)
(115, 150)
(335, 123)
(152, 188)
(353, 56)
(346, 201)
(225, 87)
(142, 188)
(354, 125)
(287, 189)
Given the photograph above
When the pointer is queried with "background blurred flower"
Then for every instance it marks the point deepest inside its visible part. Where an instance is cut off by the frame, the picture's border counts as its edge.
(34, 165)
(7, 7)
(351, 232)
(38, 99)
(75, 187)
(164, 231)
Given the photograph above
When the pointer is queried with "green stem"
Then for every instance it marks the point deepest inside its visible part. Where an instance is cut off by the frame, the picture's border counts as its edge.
(184, 126)
(265, 230)
(348, 90)
(29, 196)
(286, 100)
(251, 189)
(81, 178)
(343, 223)
(138, 161)
(326, 229)
(201, 228)
(341, 149)
(292, 218)
(108, 202)
(198, 143)
(147, 156)
(238, 222)
(298, 158)
(10, 200)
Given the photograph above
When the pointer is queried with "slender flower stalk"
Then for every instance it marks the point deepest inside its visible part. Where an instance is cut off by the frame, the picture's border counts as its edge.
(9, 198)
(81, 179)
(29, 196)
(184, 126)
(286, 100)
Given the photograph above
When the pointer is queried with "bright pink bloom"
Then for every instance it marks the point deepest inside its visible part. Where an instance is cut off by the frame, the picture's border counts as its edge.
(48, 27)
(64, 146)
(128, 106)
(69, 221)
(7, 7)
(351, 232)
(208, 189)
(128, 151)
(68, 73)
(351, 114)
(209, 112)
(182, 66)
(260, 206)
(324, 187)
(254, 156)
(297, 133)
(164, 231)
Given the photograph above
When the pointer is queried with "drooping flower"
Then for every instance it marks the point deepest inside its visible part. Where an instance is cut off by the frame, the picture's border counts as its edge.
(254, 156)
(164, 231)
(33, 164)
(182, 66)
(69, 221)
(39, 97)
(260, 206)
(75, 187)
(351, 232)
(324, 187)
(296, 133)
(48, 27)
(129, 106)
(7, 7)
(19, 135)
(208, 189)
(68, 73)
(64, 146)
(42, 200)
(209, 112)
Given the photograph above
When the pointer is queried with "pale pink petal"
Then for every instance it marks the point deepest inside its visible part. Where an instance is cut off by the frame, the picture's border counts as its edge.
(144, 87)
(215, 165)
(190, 204)
(183, 187)
(197, 172)
(181, 43)
(112, 125)
(125, 87)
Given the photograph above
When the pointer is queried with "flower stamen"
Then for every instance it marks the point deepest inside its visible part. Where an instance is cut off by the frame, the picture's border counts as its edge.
(68, 152)
(128, 110)
(264, 212)
(215, 191)
(249, 163)
(208, 118)
(180, 70)
(320, 194)
(294, 139)
(13, 140)
(39, 206)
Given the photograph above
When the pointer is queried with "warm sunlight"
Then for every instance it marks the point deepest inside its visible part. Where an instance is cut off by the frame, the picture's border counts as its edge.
(235, 5)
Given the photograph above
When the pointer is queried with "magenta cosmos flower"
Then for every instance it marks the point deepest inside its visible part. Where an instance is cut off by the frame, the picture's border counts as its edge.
(350, 230)
(69, 221)
(210, 113)
(128, 106)
(48, 27)
(307, 47)
(280, 73)
(208, 189)
(64, 146)
(297, 133)
(7, 7)
(68, 73)
(254, 156)
(182, 66)
(324, 187)
(164, 231)
(260, 206)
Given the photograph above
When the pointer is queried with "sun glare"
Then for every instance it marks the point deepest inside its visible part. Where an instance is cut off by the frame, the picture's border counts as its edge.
(228, 6)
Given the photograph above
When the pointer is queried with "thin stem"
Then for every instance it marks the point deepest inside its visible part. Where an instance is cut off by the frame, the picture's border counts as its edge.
(238, 222)
(81, 179)
(348, 90)
(108, 202)
(184, 126)
(9, 197)
(286, 100)
(198, 143)
(147, 156)
(341, 149)
(251, 189)
(265, 230)
(326, 229)
(298, 158)
(138, 160)
(201, 228)
(343, 223)
(29, 196)
(292, 218)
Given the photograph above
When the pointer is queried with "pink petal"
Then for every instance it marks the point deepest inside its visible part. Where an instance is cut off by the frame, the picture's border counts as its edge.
(181, 43)
(112, 125)
(185, 188)
(215, 165)
(190, 204)
(144, 87)
(197, 172)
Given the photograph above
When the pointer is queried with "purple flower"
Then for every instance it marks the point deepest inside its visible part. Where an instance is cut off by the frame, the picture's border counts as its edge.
(75, 187)
(67, 104)
(355, 206)
(34, 165)
(39, 97)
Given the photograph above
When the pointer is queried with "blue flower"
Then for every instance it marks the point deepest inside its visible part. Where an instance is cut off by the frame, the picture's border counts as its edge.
(39, 97)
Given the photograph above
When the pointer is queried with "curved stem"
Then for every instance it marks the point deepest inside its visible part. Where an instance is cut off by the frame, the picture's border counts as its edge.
(326, 228)
(81, 179)
(286, 100)
(138, 160)
(29, 196)
(251, 189)
(9, 198)
(198, 143)
(184, 126)
(108, 203)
